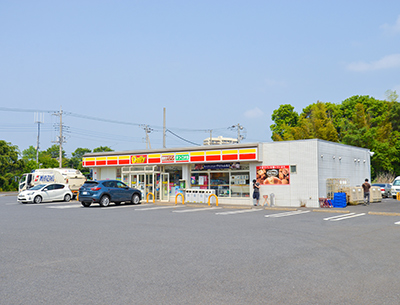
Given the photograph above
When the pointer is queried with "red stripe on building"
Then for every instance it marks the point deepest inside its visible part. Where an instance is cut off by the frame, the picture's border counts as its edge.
(213, 158)
(154, 160)
(112, 162)
(196, 158)
(229, 157)
(247, 157)
(103, 162)
(123, 161)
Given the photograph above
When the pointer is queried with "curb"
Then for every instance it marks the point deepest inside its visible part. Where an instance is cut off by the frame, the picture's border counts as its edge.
(384, 213)
(332, 211)
(280, 209)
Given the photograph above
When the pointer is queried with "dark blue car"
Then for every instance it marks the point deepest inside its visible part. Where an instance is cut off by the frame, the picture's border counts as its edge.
(106, 191)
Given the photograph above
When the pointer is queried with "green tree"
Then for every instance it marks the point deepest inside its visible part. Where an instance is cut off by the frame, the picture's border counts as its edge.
(10, 166)
(29, 153)
(54, 151)
(284, 118)
(102, 149)
(76, 160)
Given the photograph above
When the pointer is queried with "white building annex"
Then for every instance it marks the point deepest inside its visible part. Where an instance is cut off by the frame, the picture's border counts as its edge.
(295, 172)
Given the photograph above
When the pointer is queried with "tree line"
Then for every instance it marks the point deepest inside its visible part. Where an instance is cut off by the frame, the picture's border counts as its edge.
(13, 163)
(361, 121)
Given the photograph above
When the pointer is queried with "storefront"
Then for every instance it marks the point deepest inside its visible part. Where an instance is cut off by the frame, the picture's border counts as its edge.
(164, 173)
(293, 173)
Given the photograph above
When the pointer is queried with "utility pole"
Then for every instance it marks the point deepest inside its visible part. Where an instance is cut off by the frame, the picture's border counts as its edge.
(61, 138)
(164, 131)
(39, 119)
(147, 129)
(239, 128)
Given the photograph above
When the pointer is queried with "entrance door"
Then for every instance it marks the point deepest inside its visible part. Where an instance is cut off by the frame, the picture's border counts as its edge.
(164, 187)
(149, 184)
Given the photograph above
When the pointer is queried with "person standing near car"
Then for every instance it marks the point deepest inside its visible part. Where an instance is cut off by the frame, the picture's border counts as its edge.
(256, 191)
(366, 186)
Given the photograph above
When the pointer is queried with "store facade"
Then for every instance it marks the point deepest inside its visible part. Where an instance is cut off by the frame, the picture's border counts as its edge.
(291, 172)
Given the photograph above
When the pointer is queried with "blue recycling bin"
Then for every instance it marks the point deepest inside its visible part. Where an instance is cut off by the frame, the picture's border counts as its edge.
(339, 200)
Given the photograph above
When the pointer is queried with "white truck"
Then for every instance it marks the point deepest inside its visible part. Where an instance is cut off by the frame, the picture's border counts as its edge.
(74, 178)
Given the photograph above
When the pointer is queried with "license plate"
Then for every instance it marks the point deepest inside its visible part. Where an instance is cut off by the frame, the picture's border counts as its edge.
(84, 193)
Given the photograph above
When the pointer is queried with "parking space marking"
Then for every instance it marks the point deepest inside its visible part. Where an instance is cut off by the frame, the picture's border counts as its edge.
(197, 210)
(397, 223)
(344, 217)
(287, 214)
(63, 206)
(238, 212)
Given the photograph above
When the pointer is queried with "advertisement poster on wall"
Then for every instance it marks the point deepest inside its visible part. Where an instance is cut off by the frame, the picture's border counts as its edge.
(273, 174)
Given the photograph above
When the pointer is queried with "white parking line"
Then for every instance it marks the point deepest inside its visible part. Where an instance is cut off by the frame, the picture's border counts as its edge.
(63, 206)
(287, 214)
(397, 223)
(345, 217)
(339, 216)
(238, 212)
(197, 210)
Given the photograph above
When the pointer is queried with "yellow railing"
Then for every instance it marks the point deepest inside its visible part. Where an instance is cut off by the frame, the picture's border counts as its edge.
(176, 198)
(209, 199)
(148, 197)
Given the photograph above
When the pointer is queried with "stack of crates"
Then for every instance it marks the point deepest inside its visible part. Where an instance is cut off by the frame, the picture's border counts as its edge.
(334, 185)
(339, 200)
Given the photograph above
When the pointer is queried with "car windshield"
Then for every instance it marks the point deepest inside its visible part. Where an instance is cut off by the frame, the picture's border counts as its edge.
(396, 182)
(90, 183)
(37, 187)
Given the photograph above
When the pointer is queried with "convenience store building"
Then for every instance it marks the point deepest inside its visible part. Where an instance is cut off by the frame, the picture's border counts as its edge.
(293, 172)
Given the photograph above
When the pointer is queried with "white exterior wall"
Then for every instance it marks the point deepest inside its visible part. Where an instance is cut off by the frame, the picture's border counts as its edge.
(303, 187)
(342, 161)
(316, 161)
(105, 173)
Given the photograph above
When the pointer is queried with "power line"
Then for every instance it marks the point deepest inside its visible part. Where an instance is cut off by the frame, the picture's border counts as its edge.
(182, 138)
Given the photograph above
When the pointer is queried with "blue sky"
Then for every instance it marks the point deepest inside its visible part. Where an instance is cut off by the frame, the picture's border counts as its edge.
(112, 66)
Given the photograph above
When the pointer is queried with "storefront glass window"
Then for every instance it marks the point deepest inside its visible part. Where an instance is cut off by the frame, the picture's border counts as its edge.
(228, 180)
(220, 183)
(199, 180)
(240, 184)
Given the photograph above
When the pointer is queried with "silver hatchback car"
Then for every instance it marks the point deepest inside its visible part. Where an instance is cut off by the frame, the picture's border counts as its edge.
(386, 189)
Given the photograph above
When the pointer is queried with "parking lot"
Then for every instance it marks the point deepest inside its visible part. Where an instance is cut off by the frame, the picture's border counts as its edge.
(187, 254)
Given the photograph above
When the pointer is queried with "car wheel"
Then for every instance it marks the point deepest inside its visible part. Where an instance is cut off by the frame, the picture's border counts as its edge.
(86, 204)
(135, 199)
(37, 199)
(67, 198)
(105, 201)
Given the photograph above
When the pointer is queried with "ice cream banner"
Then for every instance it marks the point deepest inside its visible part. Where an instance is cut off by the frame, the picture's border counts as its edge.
(273, 174)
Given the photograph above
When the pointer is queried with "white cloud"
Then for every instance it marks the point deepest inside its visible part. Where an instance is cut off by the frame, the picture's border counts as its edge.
(387, 62)
(392, 29)
(254, 113)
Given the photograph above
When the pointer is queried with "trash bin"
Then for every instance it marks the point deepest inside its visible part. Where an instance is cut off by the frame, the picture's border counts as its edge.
(207, 194)
(188, 195)
(195, 196)
(201, 196)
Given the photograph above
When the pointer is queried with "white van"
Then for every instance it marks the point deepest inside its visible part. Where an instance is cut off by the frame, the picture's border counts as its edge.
(396, 187)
